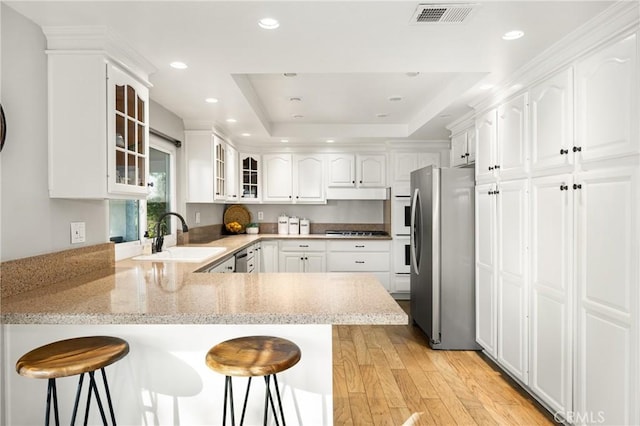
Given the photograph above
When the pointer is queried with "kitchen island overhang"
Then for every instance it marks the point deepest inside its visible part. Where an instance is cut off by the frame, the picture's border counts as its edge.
(171, 316)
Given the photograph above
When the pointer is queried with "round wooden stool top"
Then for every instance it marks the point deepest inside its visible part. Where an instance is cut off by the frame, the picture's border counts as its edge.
(253, 356)
(72, 356)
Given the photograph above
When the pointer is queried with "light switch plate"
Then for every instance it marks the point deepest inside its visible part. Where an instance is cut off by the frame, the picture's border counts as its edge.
(78, 232)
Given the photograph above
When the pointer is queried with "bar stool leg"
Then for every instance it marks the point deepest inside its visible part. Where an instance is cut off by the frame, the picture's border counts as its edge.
(228, 395)
(275, 381)
(246, 398)
(106, 388)
(75, 403)
(52, 393)
(94, 388)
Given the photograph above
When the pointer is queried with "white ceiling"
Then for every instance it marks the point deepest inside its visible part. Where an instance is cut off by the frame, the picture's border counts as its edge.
(350, 57)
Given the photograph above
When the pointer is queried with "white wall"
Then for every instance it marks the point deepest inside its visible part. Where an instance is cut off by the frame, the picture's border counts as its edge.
(32, 223)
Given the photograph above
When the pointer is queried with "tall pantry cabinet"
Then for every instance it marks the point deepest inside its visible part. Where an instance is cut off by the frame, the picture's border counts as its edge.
(580, 285)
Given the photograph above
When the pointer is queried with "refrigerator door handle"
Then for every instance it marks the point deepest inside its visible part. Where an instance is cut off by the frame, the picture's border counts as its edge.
(415, 233)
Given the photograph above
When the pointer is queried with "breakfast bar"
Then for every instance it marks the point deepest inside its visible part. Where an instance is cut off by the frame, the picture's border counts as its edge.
(171, 316)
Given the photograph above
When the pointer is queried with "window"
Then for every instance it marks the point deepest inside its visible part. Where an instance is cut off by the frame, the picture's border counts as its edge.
(130, 219)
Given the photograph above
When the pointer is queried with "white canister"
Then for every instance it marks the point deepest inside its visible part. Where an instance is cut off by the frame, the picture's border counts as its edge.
(294, 225)
(304, 226)
(283, 224)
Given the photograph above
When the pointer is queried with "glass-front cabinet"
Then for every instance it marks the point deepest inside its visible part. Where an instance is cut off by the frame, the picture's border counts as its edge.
(220, 192)
(129, 171)
(250, 175)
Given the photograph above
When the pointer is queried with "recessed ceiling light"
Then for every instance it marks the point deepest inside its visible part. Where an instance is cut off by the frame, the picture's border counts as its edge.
(268, 23)
(231, 120)
(295, 99)
(512, 35)
(330, 140)
(211, 100)
(290, 74)
(298, 116)
(382, 115)
(246, 134)
(284, 140)
(395, 98)
(178, 65)
(413, 74)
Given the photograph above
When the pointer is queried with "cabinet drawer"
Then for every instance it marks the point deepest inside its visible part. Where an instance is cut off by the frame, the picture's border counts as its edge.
(358, 245)
(302, 245)
(358, 262)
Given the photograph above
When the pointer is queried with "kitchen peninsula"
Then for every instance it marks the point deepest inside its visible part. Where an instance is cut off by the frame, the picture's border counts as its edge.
(172, 315)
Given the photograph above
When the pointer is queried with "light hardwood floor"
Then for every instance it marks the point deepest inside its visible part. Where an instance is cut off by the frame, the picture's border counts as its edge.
(388, 375)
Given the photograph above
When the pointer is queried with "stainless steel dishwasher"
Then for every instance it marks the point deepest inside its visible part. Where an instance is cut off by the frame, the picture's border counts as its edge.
(241, 261)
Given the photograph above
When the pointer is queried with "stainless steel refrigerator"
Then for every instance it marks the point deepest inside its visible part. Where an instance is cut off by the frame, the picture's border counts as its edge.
(442, 256)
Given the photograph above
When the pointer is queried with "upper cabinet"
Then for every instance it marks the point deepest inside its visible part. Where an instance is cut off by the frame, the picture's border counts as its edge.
(250, 180)
(501, 141)
(294, 178)
(607, 102)
(463, 148)
(357, 171)
(98, 121)
(231, 174)
(403, 163)
(211, 168)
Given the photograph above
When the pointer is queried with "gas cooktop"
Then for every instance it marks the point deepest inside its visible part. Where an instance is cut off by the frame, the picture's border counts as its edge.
(347, 233)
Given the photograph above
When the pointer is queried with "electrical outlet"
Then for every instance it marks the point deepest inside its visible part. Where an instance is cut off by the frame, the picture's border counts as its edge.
(197, 218)
(78, 233)
(260, 215)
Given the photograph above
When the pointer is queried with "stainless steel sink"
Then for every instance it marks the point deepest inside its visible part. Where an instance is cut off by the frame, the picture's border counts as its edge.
(183, 254)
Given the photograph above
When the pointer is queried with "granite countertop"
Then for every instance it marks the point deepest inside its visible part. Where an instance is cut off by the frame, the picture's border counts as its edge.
(142, 292)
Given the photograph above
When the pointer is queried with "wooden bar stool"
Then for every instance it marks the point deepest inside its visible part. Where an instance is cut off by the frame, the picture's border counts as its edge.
(71, 357)
(250, 357)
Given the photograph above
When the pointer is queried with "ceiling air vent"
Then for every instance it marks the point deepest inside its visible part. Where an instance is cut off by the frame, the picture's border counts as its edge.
(442, 13)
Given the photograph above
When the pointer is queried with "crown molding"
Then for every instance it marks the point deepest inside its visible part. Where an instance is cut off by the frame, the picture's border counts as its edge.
(102, 40)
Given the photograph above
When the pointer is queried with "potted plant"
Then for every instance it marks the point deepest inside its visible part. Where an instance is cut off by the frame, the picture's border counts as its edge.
(252, 228)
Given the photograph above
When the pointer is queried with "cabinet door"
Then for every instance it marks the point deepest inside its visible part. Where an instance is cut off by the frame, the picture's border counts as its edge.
(219, 169)
(231, 173)
(277, 177)
(308, 173)
(315, 262)
(200, 179)
(341, 171)
(552, 122)
(403, 164)
(607, 268)
(291, 262)
(511, 147)
(485, 268)
(512, 215)
(459, 149)
(471, 146)
(607, 102)
(268, 256)
(551, 295)
(250, 182)
(372, 171)
(486, 135)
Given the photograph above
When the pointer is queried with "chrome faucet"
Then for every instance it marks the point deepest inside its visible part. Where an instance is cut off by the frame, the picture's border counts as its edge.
(159, 240)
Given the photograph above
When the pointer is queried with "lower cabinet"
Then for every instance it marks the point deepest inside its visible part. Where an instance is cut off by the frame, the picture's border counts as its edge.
(360, 256)
(268, 255)
(302, 256)
(226, 266)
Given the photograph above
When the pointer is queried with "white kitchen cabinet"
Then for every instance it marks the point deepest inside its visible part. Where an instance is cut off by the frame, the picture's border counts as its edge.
(231, 174)
(360, 256)
(293, 178)
(98, 128)
(302, 256)
(356, 170)
(206, 171)
(551, 316)
(403, 163)
(250, 179)
(607, 102)
(463, 148)
(268, 254)
(607, 265)
(219, 169)
(501, 274)
(501, 141)
(225, 267)
(512, 279)
(552, 124)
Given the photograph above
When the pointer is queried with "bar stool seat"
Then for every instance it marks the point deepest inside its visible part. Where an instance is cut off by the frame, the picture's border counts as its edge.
(253, 356)
(71, 357)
